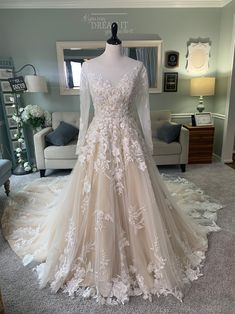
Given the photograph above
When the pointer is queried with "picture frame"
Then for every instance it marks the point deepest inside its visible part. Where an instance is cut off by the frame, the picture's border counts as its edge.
(203, 119)
(5, 86)
(6, 74)
(171, 59)
(8, 99)
(170, 81)
(9, 110)
(12, 133)
(11, 122)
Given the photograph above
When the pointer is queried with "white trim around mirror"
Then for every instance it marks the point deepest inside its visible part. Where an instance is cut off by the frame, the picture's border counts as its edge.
(61, 45)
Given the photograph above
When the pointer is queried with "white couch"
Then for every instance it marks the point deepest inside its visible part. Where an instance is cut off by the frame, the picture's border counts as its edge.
(64, 157)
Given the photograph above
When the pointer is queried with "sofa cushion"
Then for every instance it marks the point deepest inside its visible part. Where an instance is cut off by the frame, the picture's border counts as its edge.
(62, 135)
(163, 148)
(169, 132)
(61, 152)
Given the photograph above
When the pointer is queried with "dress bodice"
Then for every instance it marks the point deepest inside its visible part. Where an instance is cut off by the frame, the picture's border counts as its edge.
(113, 100)
(114, 103)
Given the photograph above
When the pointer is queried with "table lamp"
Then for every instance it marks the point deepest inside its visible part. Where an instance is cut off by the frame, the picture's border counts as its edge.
(202, 86)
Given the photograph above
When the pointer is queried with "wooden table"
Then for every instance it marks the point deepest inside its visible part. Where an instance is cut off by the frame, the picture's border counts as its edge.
(200, 144)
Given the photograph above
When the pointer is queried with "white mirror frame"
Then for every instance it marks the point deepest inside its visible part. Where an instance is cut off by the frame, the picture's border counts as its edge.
(61, 45)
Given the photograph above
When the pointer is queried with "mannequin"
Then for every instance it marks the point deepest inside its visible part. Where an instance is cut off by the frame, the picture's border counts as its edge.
(114, 40)
(112, 64)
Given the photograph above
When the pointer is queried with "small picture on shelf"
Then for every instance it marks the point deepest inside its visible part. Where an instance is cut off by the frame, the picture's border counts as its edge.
(13, 132)
(203, 119)
(5, 86)
(8, 98)
(12, 123)
(6, 74)
(9, 110)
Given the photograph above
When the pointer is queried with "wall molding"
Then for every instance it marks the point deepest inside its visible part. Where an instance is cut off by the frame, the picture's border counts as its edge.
(188, 115)
(218, 116)
(88, 4)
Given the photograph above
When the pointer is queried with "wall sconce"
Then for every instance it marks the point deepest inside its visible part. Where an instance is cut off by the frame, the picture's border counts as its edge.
(202, 86)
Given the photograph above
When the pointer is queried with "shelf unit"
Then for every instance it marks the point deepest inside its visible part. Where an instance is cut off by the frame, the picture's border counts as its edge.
(8, 126)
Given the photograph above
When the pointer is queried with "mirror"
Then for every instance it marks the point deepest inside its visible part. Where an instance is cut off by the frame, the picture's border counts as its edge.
(71, 55)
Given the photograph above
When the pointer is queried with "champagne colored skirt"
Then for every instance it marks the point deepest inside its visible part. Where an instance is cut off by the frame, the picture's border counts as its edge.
(93, 238)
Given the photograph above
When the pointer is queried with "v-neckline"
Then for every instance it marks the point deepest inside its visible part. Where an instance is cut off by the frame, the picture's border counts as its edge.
(122, 77)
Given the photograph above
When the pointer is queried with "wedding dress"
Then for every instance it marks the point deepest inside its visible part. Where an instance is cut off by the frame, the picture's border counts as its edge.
(112, 229)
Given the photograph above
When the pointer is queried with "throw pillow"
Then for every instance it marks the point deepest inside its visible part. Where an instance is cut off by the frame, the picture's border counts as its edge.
(62, 135)
(169, 132)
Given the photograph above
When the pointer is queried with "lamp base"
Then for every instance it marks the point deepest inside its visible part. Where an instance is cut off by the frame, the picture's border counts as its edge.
(200, 106)
(19, 171)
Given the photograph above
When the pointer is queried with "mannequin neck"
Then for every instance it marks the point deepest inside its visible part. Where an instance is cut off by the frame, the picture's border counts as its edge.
(112, 52)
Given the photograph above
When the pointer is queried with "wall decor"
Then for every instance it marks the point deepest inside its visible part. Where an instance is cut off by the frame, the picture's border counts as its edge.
(170, 81)
(171, 59)
(5, 86)
(198, 57)
(103, 21)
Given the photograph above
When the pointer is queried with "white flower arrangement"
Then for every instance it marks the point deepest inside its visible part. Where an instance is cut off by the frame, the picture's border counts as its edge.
(35, 116)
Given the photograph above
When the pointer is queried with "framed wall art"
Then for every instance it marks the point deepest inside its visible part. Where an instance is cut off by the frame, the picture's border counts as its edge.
(170, 81)
(171, 59)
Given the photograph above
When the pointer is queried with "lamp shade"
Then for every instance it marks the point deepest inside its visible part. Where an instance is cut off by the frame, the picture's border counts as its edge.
(35, 83)
(202, 86)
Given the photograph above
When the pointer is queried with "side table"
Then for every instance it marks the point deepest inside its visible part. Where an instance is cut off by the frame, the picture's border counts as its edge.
(200, 144)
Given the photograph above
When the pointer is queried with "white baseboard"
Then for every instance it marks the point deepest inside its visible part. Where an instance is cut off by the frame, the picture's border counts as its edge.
(228, 161)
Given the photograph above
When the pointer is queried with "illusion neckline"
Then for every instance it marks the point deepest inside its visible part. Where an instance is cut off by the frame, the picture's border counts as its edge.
(122, 77)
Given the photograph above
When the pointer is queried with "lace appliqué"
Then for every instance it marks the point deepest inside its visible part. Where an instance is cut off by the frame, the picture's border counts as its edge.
(113, 136)
(136, 217)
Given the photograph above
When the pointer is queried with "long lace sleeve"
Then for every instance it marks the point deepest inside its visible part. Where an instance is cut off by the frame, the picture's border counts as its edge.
(85, 103)
(143, 108)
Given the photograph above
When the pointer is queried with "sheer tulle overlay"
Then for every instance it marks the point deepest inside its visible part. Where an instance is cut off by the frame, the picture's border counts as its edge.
(112, 229)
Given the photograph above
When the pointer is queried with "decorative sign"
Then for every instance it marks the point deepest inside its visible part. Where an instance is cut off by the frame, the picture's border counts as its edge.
(171, 59)
(17, 84)
(103, 21)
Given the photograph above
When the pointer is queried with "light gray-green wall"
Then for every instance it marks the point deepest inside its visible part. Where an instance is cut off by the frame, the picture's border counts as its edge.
(224, 69)
(30, 36)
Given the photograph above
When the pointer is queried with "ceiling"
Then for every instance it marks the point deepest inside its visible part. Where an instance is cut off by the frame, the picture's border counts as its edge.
(85, 4)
